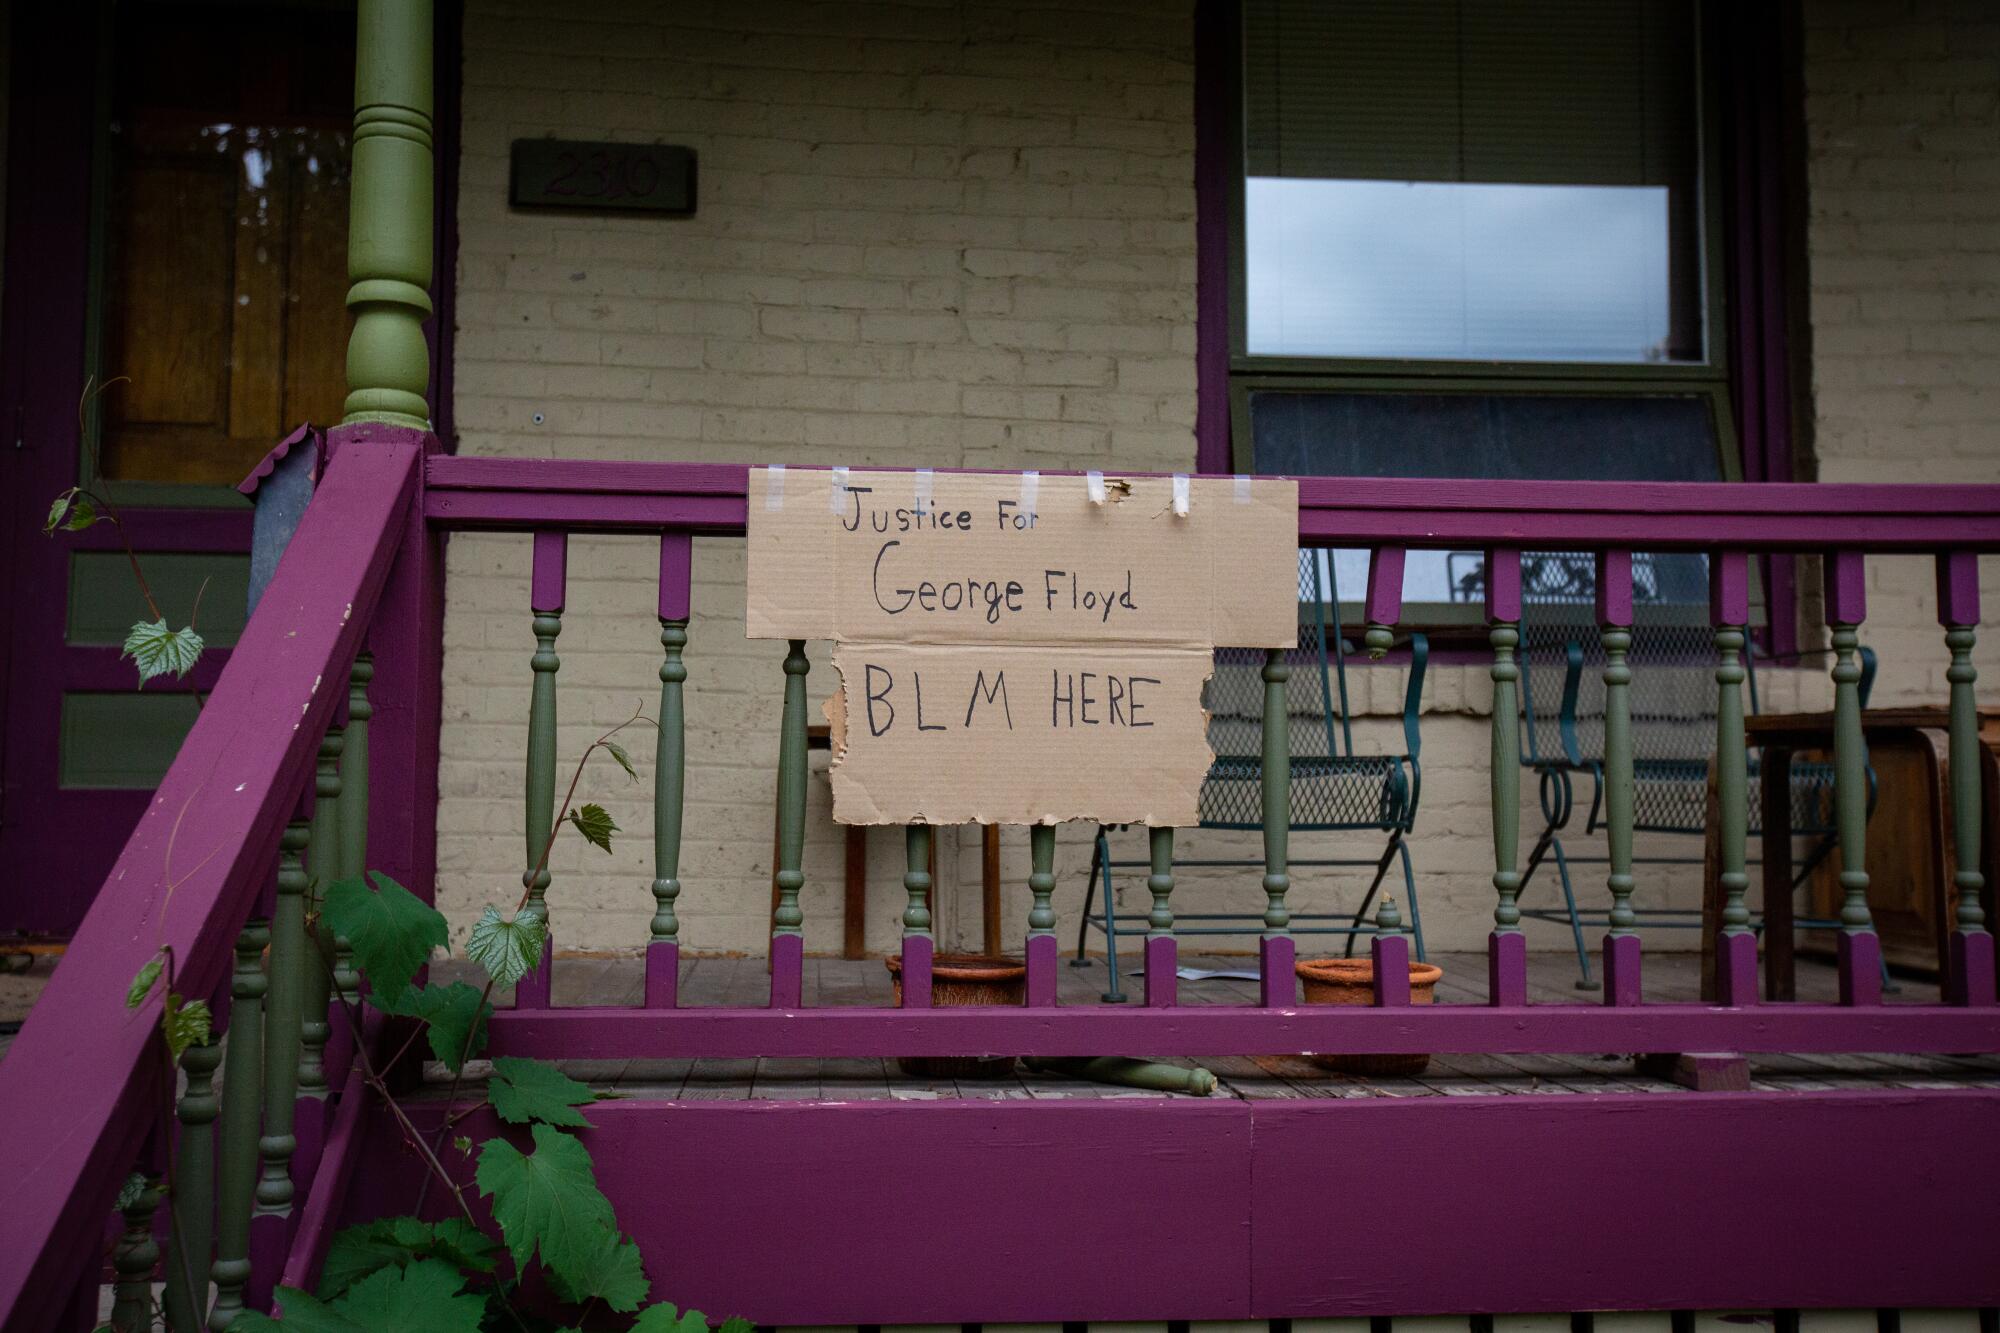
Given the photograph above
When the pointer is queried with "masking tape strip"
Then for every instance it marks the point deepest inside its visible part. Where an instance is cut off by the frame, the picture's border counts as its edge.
(926, 477)
(1242, 489)
(1181, 494)
(838, 493)
(774, 486)
(1031, 490)
(1095, 481)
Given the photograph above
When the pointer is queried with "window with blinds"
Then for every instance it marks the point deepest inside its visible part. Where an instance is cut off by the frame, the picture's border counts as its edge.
(1472, 180)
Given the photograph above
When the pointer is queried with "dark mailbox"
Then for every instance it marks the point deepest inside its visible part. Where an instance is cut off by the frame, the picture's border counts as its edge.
(566, 173)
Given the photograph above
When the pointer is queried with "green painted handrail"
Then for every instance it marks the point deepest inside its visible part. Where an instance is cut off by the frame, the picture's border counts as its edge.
(669, 782)
(242, 1096)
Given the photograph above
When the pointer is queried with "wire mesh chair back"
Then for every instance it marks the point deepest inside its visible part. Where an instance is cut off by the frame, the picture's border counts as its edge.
(1331, 786)
(1672, 693)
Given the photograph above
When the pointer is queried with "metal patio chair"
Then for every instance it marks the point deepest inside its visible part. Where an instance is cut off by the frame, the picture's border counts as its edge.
(1673, 727)
(1333, 788)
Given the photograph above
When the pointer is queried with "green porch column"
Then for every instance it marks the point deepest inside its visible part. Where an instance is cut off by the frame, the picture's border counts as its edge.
(389, 214)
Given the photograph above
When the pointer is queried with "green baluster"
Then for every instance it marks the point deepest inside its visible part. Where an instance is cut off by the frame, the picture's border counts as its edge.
(1971, 978)
(1162, 952)
(324, 867)
(1276, 985)
(1970, 917)
(1850, 768)
(353, 806)
(1504, 760)
(134, 1258)
(389, 229)
(1506, 947)
(1736, 963)
(669, 795)
(193, 1203)
(669, 782)
(281, 1023)
(917, 880)
(1042, 948)
(242, 1091)
(787, 933)
(1617, 641)
(547, 594)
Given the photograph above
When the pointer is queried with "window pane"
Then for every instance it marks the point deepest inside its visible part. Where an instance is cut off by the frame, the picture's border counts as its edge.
(1535, 436)
(1498, 181)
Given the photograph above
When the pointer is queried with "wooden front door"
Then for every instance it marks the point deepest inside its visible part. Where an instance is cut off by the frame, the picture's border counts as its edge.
(174, 304)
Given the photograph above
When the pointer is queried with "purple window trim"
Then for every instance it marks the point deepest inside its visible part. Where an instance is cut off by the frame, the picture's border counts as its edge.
(1760, 152)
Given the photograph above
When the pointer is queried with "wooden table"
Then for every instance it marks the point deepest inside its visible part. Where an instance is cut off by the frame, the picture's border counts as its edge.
(1911, 855)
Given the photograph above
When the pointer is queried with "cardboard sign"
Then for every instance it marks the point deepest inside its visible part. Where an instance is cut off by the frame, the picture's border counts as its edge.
(1020, 649)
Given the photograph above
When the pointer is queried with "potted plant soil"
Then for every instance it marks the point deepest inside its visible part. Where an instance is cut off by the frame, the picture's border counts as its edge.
(965, 979)
(1352, 981)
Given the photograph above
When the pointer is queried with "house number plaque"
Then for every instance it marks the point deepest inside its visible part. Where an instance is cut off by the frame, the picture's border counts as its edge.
(630, 177)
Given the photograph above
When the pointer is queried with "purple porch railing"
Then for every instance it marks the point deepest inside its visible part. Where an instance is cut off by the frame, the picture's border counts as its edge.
(82, 1083)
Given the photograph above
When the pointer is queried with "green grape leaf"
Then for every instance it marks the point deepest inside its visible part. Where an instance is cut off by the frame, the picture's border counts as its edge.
(523, 1090)
(547, 1202)
(131, 1191)
(664, 1318)
(159, 651)
(142, 983)
(391, 930)
(624, 759)
(613, 1275)
(427, 1296)
(456, 1013)
(736, 1323)
(508, 950)
(186, 1023)
(595, 824)
(463, 1143)
(359, 1251)
(301, 1314)
(73, 511)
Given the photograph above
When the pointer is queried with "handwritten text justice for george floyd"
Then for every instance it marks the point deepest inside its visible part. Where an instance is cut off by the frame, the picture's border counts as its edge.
(1075, 698)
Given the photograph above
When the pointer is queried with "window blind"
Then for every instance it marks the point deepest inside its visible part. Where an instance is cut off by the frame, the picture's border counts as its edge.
(1560, 92)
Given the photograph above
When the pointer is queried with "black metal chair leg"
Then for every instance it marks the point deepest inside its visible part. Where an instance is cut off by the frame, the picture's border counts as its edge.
(1113, 995)
(1097, 854)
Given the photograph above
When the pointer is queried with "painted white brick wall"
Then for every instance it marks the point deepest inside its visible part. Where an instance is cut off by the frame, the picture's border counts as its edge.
(964, 235)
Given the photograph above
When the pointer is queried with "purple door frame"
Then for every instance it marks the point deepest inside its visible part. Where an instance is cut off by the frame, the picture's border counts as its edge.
(59, 844)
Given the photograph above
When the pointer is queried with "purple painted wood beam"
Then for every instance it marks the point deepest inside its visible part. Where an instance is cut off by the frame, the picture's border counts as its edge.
(1614, 588)
(550, 580)
(1503, 584)
(1507, 969)
(1958, 588)
(840, 1031)
(1729, 588)
(1391, 956)
(1972, 968)
(1043, 954)
(1385, 585)
(1623, 961)
(1859, 954)
(78, 1086)
(1845, 580)
(917, 950)
(319, 1210)
(1225, 1204)
(663, 974)
(598, 495)
(676, 575)
(788, 955)
(1162, 962)
(1735, 970)
(1277, 976)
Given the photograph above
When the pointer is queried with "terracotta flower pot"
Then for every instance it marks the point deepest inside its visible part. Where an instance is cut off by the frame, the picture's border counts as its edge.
(1352, 981)
(965, 979)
